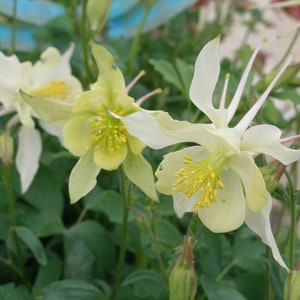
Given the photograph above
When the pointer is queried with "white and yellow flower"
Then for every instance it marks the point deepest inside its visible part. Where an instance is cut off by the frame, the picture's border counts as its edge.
(50, 78)
(217, 178)
(93, 130)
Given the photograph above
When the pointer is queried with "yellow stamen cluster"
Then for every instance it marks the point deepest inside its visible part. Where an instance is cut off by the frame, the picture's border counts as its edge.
(55, 89)
(108, 132)
(201, 178)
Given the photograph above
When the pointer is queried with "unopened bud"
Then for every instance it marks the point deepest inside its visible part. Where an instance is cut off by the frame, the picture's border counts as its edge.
(98, 13)
(6, 148)
(183, 279)
(292, 284)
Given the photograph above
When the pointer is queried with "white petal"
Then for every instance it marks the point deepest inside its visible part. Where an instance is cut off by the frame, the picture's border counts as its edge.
(145, 127)
(181, 207)
(140, 172)
(260, 223)
(28, 155)
(228, 213)
(266, 139)
(207, 69)
(224, 140)
(172, 163)
(83, 177)
(252, 180)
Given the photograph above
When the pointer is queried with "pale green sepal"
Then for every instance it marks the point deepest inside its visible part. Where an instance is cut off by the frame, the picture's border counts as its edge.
(140, 172)
(83, 177)
(260, 223)
(57, 113)
(110, 77)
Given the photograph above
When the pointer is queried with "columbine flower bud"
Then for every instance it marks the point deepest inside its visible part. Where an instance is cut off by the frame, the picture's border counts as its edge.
(183, 280)
(292, 284)
(98, 13)
(6, 148)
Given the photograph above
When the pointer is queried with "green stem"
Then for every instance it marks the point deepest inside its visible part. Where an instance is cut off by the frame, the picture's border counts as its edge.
(121, 260)
(225, 271)
(268, 287)
(84, 43)
(135, 42)
(6, 177)
(156, 250)
(13, 28)
(293, 229)
(289, 49)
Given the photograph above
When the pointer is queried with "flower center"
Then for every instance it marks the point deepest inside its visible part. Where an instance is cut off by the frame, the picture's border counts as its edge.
(200, 177)
(108, 131)
(55, 89)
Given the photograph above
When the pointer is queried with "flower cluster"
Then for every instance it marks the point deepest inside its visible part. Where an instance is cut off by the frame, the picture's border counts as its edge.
(50, 78)
(217, 177)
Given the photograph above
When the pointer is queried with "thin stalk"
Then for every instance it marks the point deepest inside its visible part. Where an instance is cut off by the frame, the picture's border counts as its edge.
(6, 177)
(225, 271)
(135, 42)
(13, 28)
(84, 43)
(156, 250)
(125, 191)
(268, 286)
(293, 225)
(290, 47)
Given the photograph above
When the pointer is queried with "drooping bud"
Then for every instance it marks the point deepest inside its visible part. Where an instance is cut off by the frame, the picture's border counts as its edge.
(292, 284)
(183, 279)
(98, 13)
(6, 148)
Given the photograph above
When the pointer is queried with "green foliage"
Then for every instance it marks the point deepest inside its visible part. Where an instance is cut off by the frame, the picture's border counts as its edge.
(52, 250)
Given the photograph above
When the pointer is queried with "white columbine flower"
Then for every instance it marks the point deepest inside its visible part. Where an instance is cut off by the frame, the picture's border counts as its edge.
(217, 178)
(50, 78)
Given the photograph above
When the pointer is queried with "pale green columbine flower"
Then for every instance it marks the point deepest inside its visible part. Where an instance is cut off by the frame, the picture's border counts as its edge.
(50, 77)
(218, 178)
(94, 131)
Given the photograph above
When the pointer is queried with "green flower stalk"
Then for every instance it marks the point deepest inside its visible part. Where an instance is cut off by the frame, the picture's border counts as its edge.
(183, 279)
(94, 131)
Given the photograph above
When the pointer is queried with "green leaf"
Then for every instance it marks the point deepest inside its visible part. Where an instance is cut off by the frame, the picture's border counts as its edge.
(167, 233)
(11, 292)
(72, 289)
(168, 72)
(213, 251)
(33, 243)
(79, 260)
(220, 290)
(109, 202)
(54, 112)
(97, 240)
(147, 284)
(48, 273)
(186, 73)
(250, 284)
(248, 252)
